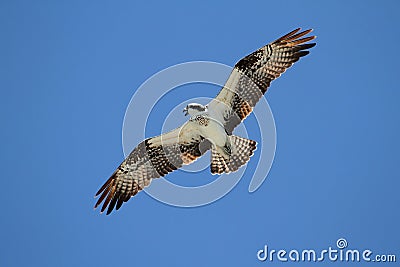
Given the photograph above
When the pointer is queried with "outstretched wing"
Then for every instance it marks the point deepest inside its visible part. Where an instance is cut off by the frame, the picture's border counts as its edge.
(152, 158)
(253, 74)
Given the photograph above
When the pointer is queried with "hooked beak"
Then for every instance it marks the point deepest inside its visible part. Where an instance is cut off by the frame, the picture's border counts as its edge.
(185, 111)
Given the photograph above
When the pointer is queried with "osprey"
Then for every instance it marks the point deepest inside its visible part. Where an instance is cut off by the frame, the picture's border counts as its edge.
(210, 126)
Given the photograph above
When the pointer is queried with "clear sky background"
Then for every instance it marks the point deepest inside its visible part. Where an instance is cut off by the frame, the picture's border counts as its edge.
(69, 68)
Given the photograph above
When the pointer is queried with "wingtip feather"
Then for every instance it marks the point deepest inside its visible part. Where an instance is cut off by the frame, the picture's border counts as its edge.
(298, 35)
(300, 41)
(108, 199)
(112, 204)
(105, 185)
(101, 199)
(288, 35)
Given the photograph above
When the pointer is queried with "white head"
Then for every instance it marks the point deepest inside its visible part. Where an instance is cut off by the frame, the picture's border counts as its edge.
(194, 109)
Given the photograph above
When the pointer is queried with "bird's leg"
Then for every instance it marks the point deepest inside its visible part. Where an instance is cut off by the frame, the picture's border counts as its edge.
(228, 148)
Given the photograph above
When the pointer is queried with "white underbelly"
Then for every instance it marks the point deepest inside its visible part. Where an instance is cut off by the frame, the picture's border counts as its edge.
(214, 132)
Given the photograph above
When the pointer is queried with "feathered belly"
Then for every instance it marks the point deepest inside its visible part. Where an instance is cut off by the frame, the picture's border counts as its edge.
(213, 131)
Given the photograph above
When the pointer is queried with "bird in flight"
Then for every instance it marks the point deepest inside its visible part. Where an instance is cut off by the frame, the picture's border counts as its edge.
(209, 126)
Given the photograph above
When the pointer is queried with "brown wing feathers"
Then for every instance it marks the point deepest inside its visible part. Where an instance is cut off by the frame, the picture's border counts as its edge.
(260, 68)
(143, 164)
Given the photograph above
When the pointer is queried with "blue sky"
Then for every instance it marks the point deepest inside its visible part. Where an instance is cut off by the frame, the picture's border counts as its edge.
(69, 69)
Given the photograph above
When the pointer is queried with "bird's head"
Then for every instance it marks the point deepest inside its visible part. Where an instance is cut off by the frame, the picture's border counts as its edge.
(194, 109)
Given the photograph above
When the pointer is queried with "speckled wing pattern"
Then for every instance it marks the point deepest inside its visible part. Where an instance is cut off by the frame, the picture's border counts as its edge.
(150, 159)
(253, 74)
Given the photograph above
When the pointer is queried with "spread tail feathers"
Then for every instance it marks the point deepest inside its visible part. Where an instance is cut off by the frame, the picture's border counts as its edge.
(241, 151)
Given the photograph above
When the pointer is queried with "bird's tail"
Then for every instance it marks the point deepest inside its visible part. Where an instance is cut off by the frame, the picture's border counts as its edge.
(241, 150)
